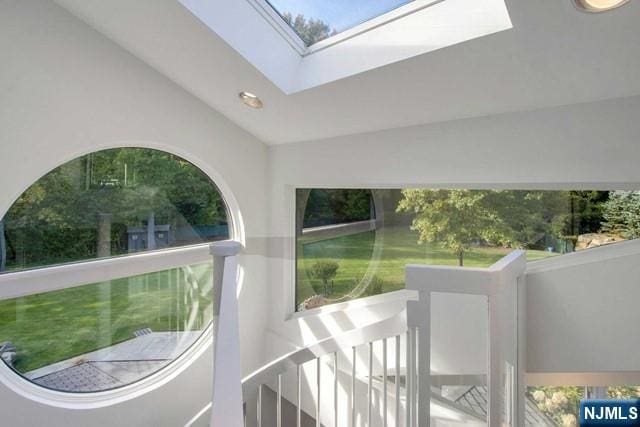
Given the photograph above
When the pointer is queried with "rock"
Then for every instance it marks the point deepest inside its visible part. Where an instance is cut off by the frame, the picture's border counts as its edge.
(7, 346)
(8, 352)
(312, 302)
(8, 357)
(592, 240)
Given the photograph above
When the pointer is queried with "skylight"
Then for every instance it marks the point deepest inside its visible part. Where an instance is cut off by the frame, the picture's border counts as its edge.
(316, 20)
(360, 35)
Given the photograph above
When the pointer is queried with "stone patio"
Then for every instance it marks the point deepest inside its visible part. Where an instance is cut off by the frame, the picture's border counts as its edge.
(114, 366)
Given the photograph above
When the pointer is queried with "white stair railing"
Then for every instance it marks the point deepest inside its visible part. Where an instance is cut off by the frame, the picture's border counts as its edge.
(502, 284)
(226, 407)
(408, 335)
(370, 336)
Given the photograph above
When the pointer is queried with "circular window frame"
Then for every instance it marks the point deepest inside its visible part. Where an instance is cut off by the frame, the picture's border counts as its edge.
(105, 398)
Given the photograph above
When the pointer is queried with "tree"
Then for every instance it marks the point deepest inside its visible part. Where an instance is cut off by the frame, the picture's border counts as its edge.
(324, 271)
(85, 206)
(3, 247)
(572, 213)
(309, 30)
(454, 218)
(511, 218)
(325, 206)
(622, 214)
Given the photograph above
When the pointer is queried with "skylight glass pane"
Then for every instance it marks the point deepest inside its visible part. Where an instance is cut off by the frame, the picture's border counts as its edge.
(316, 20)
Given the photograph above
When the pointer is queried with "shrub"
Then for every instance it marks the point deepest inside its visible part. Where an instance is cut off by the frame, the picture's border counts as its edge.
(324, 271)
(375, 286)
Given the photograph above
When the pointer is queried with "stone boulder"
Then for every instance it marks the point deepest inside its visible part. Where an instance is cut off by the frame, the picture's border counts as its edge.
(312, 302)
(592, 240)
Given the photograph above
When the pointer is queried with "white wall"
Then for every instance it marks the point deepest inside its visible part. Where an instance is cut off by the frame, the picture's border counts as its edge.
(66, 90)
(581, 146)
(582, 314)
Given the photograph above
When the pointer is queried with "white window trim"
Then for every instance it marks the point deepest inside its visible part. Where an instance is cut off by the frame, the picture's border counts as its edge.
(15, 284)
(267, 42)
(278, 24)
(276, 21)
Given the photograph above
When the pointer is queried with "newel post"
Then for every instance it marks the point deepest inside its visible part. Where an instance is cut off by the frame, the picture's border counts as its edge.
(226, 409)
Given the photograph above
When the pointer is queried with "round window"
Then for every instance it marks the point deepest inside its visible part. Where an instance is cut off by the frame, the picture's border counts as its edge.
(113, 203)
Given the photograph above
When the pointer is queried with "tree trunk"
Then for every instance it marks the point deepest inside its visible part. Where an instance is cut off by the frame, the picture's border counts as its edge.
(460, 258)
(104, 235)
(103, 334)
(151, 231)
(3, 248)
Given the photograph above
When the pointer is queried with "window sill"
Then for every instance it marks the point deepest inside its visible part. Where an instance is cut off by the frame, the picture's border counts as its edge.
(386, 298)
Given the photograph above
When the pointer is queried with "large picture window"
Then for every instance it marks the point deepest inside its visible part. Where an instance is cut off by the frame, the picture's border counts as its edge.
(353, 243)
(109, 205)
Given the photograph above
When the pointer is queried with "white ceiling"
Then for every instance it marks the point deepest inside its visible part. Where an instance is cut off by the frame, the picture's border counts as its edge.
(554, 55)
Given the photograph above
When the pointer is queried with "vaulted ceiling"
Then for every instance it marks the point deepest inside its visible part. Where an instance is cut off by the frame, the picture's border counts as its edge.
(554, 55)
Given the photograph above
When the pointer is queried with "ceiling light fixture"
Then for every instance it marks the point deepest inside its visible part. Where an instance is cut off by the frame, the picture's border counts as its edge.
(599, 5)
(250, 99)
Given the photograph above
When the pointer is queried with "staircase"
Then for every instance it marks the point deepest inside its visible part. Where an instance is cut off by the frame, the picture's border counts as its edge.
(376, 375)
(456, 354)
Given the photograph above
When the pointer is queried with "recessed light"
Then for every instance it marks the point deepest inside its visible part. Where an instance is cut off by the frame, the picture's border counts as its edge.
(250, 99)
(599, 5)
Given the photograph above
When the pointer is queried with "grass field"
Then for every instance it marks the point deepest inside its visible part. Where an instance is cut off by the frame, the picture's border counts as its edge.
(399, 247)
(55, 326)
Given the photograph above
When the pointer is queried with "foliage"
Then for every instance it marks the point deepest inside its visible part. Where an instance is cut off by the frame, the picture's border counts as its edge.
(624, 392)
(622, 214)
(561, 404)
(324, 271)
(336, 207)
(577, 212)
(56, 219)
(375, 286)
(309, 30)
(454, 218)
(511, 218)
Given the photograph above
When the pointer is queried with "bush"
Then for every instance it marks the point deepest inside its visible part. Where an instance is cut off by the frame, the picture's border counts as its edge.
(375, 286)
(324, 271)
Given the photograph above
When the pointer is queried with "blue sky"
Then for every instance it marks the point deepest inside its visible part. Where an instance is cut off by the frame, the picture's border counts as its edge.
(339, 14)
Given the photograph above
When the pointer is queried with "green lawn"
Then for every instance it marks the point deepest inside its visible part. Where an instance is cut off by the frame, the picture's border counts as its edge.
(399, 247)
(55, 326)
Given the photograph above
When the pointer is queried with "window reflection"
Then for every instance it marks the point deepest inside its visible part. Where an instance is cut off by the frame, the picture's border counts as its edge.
(112, 202)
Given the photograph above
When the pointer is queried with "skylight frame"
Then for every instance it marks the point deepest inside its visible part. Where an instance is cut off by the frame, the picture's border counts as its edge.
(278, 23)
(268, 45)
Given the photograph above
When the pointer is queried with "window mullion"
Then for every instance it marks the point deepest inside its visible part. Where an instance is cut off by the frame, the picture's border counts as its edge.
(40, 280)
